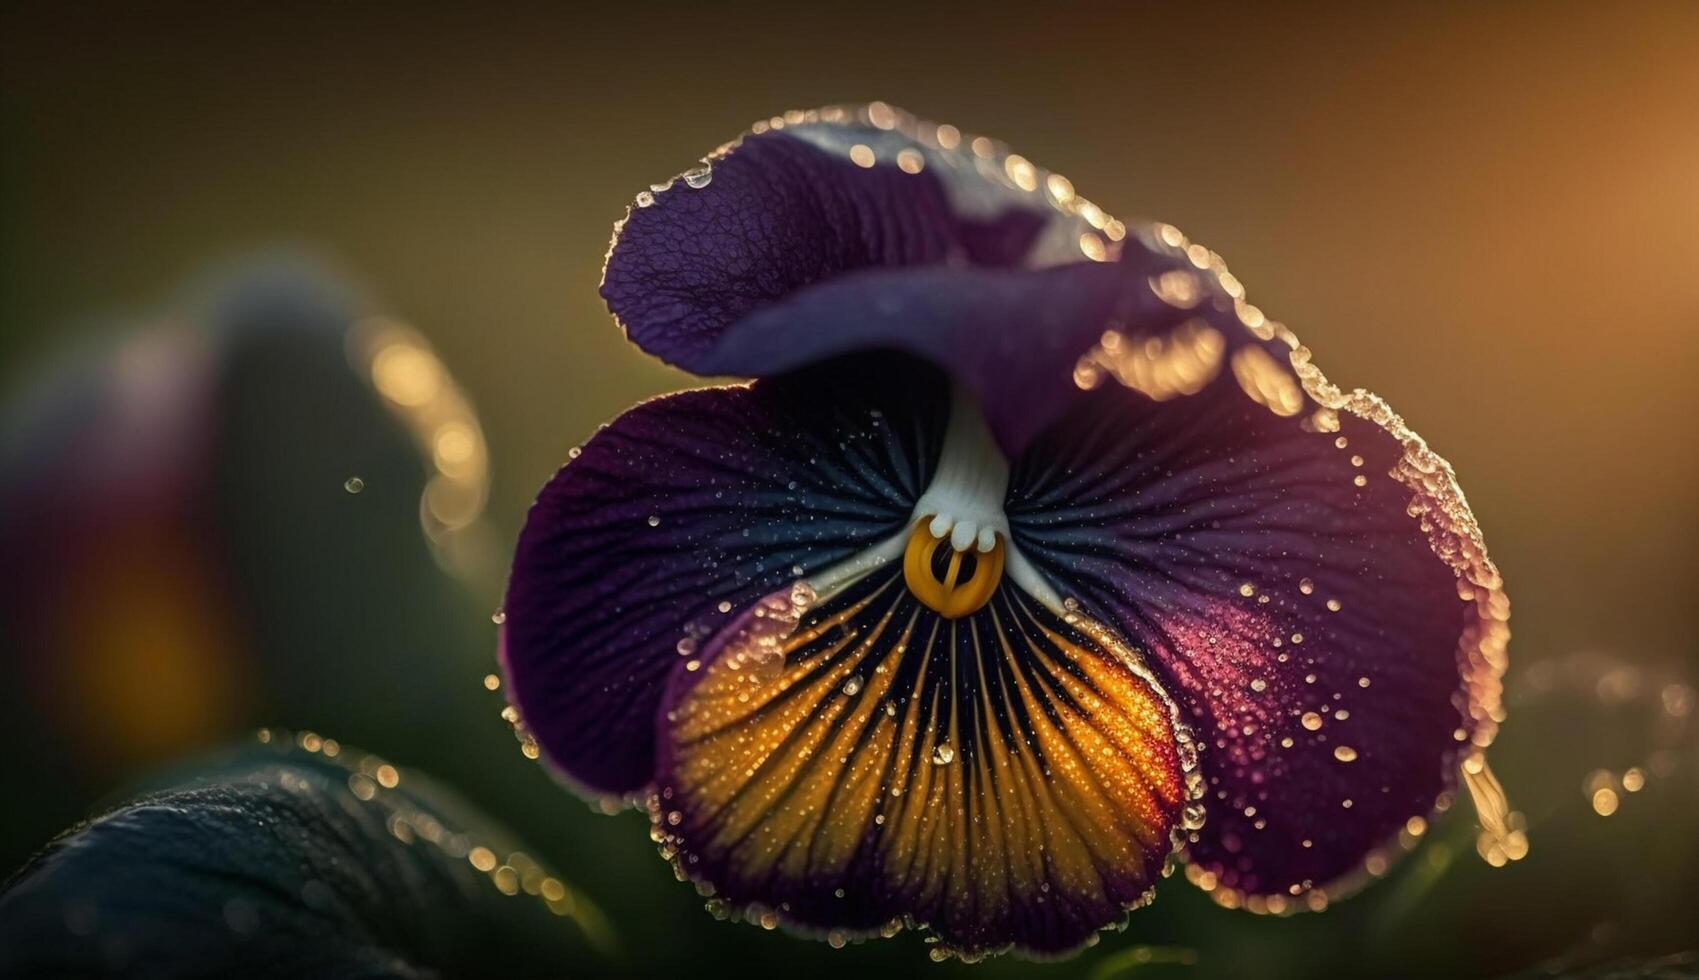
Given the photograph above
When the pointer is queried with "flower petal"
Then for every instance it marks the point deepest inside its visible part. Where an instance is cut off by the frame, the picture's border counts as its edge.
(853, 229)
(1005, 779)
(684, 509)
(1301, 590)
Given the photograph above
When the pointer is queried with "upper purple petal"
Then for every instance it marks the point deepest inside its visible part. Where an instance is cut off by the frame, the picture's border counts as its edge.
(1302, 585)
(848, 229)
(679, 515)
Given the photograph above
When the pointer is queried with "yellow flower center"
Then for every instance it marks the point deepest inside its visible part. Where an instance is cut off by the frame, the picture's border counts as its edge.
(950, 582)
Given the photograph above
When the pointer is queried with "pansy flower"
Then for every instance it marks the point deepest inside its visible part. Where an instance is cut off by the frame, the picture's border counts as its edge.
(1033, 557)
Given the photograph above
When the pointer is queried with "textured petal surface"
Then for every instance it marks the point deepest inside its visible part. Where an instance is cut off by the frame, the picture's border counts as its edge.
(1289, 584)
(848, 229)
(1005, 779)
(278, 862)
(683, 510)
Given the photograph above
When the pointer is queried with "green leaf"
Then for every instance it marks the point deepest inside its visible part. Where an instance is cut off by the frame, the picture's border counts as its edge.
(290, 858)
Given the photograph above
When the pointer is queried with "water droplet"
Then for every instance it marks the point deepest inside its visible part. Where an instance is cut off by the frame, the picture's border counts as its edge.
(1345, 753)
(698, 177)
(725, 606)
(353, 484)
(1333, 605)
(1311, 720)
(645, 198)
(1259, 685)
(1306, 586)
(654, 520)
(1247, 590)
(943, 755)
(852, 686)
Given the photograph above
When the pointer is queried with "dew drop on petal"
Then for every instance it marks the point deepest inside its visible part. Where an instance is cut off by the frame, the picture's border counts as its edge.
(698, 177)
(1311, 720)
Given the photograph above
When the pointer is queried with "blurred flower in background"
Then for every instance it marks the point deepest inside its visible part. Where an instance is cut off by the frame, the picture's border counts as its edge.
(261, 506)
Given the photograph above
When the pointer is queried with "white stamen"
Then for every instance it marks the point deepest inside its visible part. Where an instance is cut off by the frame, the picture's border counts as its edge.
(972, 479)
(965, 499)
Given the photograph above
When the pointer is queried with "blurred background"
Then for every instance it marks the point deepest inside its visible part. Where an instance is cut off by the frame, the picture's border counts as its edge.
(229, 506)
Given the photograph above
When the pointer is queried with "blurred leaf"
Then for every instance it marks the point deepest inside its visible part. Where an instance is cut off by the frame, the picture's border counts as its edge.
(1127, 962)
(296, 857)
(1676, 966)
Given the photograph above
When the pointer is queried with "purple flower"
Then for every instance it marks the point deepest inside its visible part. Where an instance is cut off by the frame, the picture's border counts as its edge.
(1033, 554)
